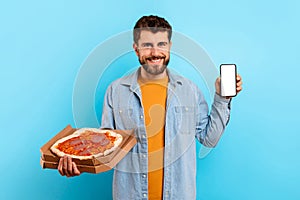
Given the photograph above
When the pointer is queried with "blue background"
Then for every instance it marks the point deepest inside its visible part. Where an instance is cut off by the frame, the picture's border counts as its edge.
(43, 44)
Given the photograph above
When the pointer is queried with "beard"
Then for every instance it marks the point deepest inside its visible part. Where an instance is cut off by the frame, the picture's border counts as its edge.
(154, 69)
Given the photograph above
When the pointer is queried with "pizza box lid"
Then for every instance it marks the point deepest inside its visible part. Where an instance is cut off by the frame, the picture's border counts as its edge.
(50, 160)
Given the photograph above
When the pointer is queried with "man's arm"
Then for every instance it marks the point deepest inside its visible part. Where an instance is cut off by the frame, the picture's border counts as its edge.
(66, 166)
(209, 128)
(107, 112)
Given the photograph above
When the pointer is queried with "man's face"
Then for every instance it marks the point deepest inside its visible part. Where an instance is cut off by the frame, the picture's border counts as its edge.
(153, 51)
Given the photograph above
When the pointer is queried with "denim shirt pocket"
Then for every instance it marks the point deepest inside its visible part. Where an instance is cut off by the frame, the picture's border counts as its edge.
(186, 119)
(124, 118)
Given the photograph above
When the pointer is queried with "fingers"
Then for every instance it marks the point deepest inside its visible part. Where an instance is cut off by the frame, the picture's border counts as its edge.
(239, 83)
(70, 166)
(75, 169)
(238, 78)
(217, 85)
(67, 168)
(60, 167)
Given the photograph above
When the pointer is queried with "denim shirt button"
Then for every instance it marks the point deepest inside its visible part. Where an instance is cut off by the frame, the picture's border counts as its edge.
(143, 136)
(144, 195)
(167, 193)
(144, 155)
(120, 111)
(142, 116)
(144, 175)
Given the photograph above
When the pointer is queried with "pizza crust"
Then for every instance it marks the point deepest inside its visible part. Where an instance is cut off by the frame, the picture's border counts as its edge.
(77, 133)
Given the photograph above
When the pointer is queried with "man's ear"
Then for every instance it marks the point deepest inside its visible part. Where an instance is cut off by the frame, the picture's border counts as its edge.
(136, 50)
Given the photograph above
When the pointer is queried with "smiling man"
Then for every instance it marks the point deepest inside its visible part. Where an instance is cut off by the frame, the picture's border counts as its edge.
(167, 112)
(153, 51)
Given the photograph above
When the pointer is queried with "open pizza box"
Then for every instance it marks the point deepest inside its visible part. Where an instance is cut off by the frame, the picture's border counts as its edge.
(94, 165)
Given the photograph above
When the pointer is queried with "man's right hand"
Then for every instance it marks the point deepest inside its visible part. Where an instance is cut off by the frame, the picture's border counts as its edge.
(67, 167)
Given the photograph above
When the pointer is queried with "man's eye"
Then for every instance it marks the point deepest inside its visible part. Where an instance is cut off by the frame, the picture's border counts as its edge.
(162, 44)
(147, 45)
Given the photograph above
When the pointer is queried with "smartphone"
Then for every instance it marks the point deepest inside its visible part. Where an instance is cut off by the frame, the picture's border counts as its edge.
(228, 80)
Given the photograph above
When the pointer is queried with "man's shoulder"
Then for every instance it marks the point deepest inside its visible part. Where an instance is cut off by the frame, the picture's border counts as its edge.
(126, 80)
(181, 80)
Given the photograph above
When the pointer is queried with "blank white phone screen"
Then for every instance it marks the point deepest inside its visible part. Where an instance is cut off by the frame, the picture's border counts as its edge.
(228, 80)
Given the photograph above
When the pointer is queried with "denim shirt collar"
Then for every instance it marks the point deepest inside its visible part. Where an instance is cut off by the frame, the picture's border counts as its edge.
(132, 82)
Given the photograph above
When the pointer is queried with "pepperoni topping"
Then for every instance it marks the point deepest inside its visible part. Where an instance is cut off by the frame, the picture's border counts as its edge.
(104, 142)
(76, 141)
(97, 138)
(88, 143)
(85, 152)
(79, 147)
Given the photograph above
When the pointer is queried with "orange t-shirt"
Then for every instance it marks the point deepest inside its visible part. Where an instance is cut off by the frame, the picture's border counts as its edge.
(154, 95)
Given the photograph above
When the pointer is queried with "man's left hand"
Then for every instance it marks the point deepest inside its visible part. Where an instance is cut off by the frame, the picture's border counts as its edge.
(238, 84)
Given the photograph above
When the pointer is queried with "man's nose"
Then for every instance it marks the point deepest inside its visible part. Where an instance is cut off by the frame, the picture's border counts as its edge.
(155, 51)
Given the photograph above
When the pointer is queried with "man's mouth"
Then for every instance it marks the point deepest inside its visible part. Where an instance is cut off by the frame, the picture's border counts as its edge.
(155, 59)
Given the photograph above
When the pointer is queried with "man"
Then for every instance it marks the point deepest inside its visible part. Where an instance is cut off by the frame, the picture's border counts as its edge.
(167, 112)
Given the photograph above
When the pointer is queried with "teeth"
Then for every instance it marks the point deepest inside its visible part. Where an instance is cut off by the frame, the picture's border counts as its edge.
(155, 60)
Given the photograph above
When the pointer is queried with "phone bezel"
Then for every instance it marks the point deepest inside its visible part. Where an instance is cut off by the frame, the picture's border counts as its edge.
(235, 70)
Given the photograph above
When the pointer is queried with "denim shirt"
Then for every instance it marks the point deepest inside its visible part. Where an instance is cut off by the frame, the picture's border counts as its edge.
(187, 117)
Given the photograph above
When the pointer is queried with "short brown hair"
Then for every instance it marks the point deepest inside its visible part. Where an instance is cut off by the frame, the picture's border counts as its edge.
(151, 23)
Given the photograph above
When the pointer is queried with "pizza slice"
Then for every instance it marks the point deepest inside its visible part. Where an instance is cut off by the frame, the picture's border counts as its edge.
(87, 143)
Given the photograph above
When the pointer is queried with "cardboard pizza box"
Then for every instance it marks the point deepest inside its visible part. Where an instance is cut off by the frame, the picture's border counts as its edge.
(94, 165)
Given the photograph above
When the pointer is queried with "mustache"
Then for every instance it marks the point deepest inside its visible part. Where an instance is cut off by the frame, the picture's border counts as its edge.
(155, 57)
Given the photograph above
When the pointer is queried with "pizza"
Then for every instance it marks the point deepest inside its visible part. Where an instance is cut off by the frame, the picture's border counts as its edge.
(87, 143)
